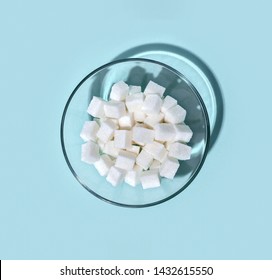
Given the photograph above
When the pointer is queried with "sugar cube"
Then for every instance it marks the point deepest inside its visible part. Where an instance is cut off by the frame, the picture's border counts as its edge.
(106, 130)
(152, 104)
(135, 89)
(168, 102)
(100, 120)
(116, 121)
(96, 107)
(183, 133)
(139, 116)
(169, 168)
(175, 114)
(103, 165)
(144, 159)
(152, 120)
(114, 109)
(157, 150)
(180, 151)
(142, 135)
(110, 149)
(122, 139)
(134, 102)
(164, 132)
(134, 149)
(132, 177)
(115, 176)
(150, 179)
(154, 88)
(125, 160)
(89, 152)
(119, 91)
(89, 131)
(155, 164)
(137, 168)
(126, 121)
(101, 144)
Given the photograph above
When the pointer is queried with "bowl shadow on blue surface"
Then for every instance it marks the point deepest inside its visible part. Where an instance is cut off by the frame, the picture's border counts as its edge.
(133, 52)
(178, 89)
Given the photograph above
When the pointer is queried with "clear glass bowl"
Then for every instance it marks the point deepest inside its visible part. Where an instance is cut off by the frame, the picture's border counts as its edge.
(134, 71)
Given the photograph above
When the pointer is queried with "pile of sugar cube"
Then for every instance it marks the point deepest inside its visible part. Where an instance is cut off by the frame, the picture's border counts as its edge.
(137, 137)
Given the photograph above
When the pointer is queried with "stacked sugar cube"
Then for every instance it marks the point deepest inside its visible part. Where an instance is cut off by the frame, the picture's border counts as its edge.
(137, 137)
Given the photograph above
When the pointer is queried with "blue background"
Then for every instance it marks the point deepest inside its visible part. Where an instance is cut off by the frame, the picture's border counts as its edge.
(47, 47)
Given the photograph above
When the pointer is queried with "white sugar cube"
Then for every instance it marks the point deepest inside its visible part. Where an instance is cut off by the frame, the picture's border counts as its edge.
(114, 109)
(157, 150)
(139, 116)
(142, 135)
(101, 120)
(155, 164)
(116, 121)
(126, 121)
(110, 149)
(175, 115)
(89, 131)
(152, 120)
(152, 104)
(119, 91)
(134, 102)
(137, 168)
(132, 177)
(90, 152)
(164, 132)
(103, 165)
(101, 144)
(135, 89)
(144, 159)
(134, 149)
(150, 179)
(164, 156)
(152, 88)
(125, 160)
(115, 176)
(180, 151)
(183, 133)
(96, 107)
(169, 168)
(168, 102)
(122, 139)
(106, 130)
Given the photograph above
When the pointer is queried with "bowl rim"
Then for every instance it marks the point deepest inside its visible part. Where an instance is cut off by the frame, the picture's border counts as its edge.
(207, 140)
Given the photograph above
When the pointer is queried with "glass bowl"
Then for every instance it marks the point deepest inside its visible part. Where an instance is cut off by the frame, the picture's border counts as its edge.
(134, 71)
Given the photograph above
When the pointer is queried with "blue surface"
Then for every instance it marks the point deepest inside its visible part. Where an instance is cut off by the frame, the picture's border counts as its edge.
(47, 47)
